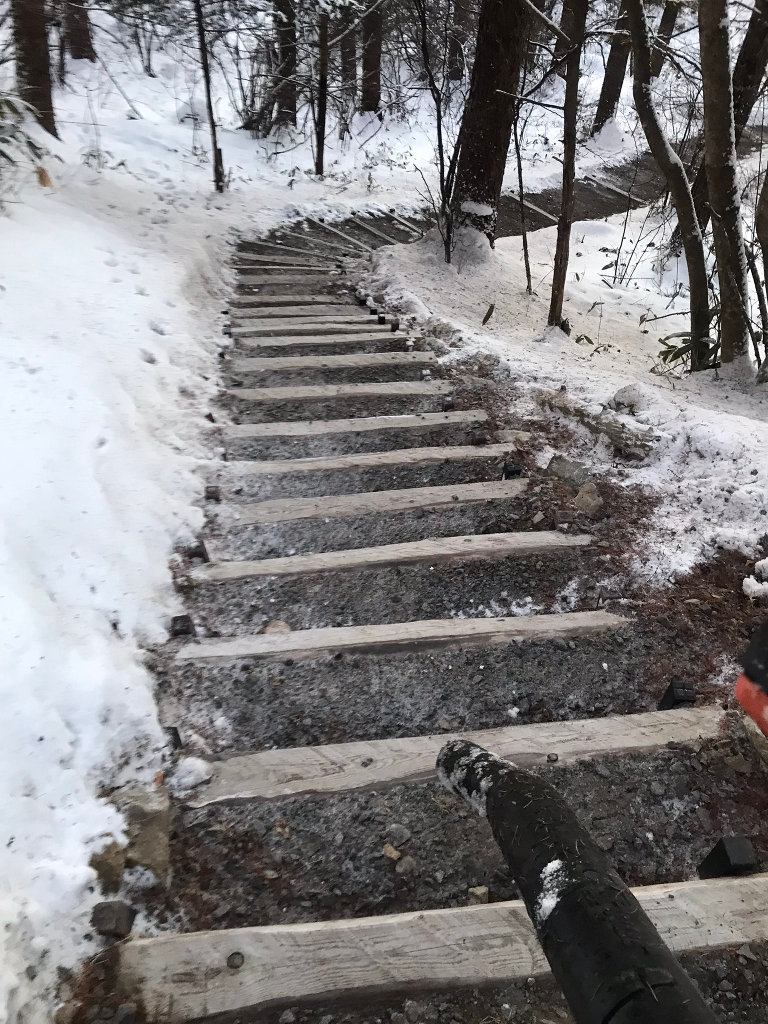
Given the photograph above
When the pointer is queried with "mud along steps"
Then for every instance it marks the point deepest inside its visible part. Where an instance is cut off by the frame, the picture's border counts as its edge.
(331, 866)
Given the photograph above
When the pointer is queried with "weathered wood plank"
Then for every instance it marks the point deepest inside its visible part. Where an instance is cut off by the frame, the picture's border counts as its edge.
(347, 361)
(268, 280)
(340, 234)
(315, 391)
(336, 506)
(368, 460)
(277, 258)
(339, 767)
(536, 209)
(435, 551)
(355, 425)
(302, 299)
(244, 270)
(367, 226)
(360, 337)
(306, 644)
(331, 311)
(277, 247)
(178, 978)
(285, 330)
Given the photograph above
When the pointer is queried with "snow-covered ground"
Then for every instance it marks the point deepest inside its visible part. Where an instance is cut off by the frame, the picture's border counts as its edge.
(110, 286)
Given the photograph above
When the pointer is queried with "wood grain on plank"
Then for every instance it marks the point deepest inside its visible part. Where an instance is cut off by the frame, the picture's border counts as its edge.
(336, 506)
(359, 327)
(397, 636)
(435, 551)
(340, 234)
(278, 258)
(347, 361)
(261, 301)
(271, 280)
(372, 390)
(178, 978)
(356, 424)
(244, 269)
(339, 767)
(360, 337)
(321, 311)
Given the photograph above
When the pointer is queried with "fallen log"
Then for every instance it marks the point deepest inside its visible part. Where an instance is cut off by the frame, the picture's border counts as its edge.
(627, 443)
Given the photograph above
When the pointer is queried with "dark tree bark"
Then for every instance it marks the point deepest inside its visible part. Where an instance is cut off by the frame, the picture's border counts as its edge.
(322, 92)
(577, 24)
(458, 40)
(486, 125)
(747, 77)
(761, 228)
(348, 53)
(285, 90)
(672, 168)
(561, 46)
(615, 70)
(373, 31)
(78, 30)
(663, 36)
(720, 160)
(33, 59)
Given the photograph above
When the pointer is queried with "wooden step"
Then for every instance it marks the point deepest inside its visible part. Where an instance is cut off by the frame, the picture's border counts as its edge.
(270, 281)
(340, 234)
(244, 269)
(339, 311)
(255, 258)
(265, 318)
(349, 361)
(177, 978)
(370, 460)
(340, 767)
(367, 226)
(364, 328)
(360, 337)
(356, 425)
(440, 551)
(306, 644)
(276, 247)
(338, 506)
(308, 392)
(303, 299)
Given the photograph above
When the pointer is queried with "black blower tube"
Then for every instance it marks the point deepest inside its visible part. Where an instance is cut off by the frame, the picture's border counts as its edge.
(605, 953)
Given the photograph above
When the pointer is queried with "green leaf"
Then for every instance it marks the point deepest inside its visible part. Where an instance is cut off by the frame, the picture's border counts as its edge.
(489, 314)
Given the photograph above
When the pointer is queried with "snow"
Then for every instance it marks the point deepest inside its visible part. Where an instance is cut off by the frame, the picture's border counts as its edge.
(553, 881)
(189, 773)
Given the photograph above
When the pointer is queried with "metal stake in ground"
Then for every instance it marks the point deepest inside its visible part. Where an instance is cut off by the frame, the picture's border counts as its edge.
(218, 163)
(603, 950)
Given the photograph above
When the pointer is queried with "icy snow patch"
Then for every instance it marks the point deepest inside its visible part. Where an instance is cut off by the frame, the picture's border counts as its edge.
(189, 773)
(553, 880)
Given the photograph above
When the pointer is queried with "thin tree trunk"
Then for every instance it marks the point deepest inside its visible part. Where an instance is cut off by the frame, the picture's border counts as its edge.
(663, 36)
(486, 126)
(78, 29)
(761, 229)
(577, 23)
(33, 59)
(720, 159)
(348, 53)
(322, 92)
(677, 181)
(561, 46)
(458, 40)
(373, 30)
(615, 71)
(286, 86)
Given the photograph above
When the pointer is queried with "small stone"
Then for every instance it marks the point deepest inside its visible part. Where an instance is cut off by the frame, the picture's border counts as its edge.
(326, 1019)
(182, 625)
(109, 865)
(588, 500)
(398, 1018)
(148, 812)
(537, 518)
(126, 1013)
(606, 843)
(747, 953)
(391, 852)
(397, 834)
(276, 626)
(739, 764)
(113, 919)
(287, 1017)
(439, 876)
(657, 789)
(478, 893)
(406, 866)
(571, 472)
(412, 1011)
(31, 972)
(235, 961)
(212, 493)
(725, 986)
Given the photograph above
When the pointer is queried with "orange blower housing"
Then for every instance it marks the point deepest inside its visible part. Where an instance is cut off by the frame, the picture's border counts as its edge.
(752, 685)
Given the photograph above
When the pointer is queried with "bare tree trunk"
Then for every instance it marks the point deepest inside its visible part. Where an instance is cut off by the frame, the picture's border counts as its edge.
(285, 16)
(373, 31)
(78, 30)
(663, 36)
(486, 126)
(322, 91)
(761, 228)
(561, 46)
(720, 159)
(577, 23)
(458, 40)
(677, 181)
(615, 70)
(33, 59)
(747, 78)
(348, 53)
